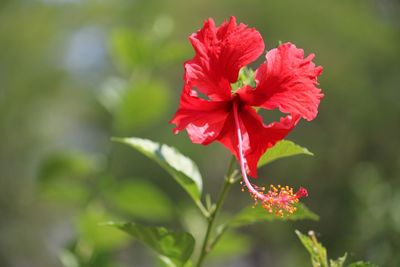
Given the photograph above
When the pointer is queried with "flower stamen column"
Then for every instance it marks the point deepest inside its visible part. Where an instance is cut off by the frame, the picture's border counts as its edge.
(278, 199)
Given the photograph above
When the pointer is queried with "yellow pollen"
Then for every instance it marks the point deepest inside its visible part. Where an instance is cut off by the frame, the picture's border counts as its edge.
(279, 200)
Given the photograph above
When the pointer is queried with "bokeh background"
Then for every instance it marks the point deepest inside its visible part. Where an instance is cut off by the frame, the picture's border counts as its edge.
(73, 73)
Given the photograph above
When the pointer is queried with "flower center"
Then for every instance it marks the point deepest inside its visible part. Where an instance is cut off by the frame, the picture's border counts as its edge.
(279, 199)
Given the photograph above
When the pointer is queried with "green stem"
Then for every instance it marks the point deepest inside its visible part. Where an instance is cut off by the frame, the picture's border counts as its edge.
(221, 232)
(202, 209)
(229, 180)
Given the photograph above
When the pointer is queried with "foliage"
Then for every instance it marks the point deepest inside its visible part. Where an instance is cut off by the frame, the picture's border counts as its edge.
(186, 173)
(319, 256)
(174, 248)
(181, 168)
(282, 149)
(257, 214)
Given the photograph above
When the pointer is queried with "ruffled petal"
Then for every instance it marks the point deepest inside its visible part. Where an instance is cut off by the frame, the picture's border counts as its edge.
(286, 81)
(257, 137)
(261, 137)
(202, 119)
(220, 53)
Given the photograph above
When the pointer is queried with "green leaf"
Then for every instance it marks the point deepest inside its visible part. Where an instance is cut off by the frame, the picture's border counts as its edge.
(173, 248)
(140, 199)
(68, 164)
(68, 259)
(173, 52)
(282, 149)
(141, 105)
(362, 264)
(180, 167)
(257, 214)
(316, 250)
(64, 191)
(339, 262)
(131, 49)
(319, 255)
(96, 236)
(62, 175)
(246, 77)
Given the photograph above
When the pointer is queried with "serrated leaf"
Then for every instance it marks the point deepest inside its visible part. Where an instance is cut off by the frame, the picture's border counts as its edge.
(173, 248)
(282, 149)
(362, 264)
(257, 214)
(316, 250)
(180, 167)
(339, 262)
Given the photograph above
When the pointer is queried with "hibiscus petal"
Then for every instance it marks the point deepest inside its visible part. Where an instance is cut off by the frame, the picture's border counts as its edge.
(220, 53)
(257, 137)
(202, 119)
(261, 137)
(286, 81)
(228, 136)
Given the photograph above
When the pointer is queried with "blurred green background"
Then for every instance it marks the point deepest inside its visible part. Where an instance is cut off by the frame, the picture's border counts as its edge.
(73, 73)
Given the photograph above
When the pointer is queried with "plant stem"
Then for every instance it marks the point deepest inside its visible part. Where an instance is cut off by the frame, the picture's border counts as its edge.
(202, 209)
(229, 180)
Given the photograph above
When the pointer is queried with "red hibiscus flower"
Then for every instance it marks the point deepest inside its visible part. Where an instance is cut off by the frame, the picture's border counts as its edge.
(210, 111)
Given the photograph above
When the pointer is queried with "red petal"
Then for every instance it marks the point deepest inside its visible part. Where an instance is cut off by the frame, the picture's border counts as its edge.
(257, 137)
(220, 53)
(286, 81)
(228, 136)
(202, 119)
(262, 137)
